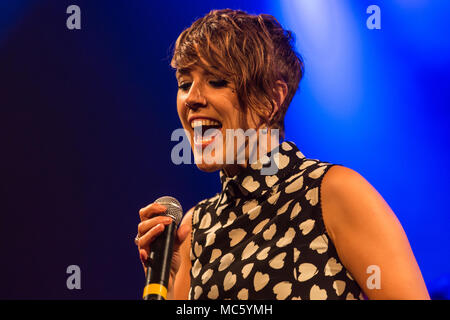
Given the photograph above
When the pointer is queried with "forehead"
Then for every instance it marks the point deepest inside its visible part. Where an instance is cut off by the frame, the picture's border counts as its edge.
(204, 71)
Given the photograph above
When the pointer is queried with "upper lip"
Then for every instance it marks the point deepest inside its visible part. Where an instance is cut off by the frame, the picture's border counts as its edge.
(192, 118)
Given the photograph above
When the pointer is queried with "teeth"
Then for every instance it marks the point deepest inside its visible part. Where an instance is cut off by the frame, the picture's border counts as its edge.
(199, 139)
(204, 122)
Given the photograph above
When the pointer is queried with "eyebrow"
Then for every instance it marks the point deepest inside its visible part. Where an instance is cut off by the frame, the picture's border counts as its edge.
(183, 71)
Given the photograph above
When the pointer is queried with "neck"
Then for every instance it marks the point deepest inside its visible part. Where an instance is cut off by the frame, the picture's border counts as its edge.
(271, 142)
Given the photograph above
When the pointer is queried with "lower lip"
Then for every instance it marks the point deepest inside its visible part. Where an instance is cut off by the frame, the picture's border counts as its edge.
(203, 143)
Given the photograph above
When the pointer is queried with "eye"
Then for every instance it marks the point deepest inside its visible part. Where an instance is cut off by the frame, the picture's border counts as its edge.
(219, 83)
(184, 86)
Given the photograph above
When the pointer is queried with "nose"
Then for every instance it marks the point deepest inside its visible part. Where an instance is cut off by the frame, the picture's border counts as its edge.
(195, 98)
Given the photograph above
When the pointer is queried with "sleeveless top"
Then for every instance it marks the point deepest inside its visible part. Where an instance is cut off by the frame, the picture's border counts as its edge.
(263, 236)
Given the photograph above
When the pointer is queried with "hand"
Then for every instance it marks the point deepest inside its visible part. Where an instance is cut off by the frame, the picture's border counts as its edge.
(151, 226)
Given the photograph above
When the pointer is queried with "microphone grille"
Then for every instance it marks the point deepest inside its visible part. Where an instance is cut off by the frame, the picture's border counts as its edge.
(174, 209)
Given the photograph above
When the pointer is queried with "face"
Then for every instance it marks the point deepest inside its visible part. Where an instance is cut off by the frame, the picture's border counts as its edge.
(206, 100)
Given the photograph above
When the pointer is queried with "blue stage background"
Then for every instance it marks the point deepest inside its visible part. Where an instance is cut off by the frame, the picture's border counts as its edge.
(87, 117)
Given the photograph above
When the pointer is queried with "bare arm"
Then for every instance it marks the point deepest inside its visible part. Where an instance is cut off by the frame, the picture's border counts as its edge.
(367, 234)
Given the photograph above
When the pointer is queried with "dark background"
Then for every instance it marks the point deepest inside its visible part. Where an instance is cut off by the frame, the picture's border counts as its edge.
(87, 115)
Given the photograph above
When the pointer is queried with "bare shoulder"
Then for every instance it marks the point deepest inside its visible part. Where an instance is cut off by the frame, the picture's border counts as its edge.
(186, 224)
(347, 196)
(182, 280)
(342, 180)
(187, 218)
(366, 232)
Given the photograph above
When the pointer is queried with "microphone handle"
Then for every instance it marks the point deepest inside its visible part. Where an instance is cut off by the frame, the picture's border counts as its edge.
(158, 268)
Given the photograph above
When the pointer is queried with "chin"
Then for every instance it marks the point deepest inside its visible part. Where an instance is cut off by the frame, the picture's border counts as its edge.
(209, 167)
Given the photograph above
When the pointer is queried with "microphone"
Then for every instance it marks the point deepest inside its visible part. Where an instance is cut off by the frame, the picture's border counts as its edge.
(160, 258)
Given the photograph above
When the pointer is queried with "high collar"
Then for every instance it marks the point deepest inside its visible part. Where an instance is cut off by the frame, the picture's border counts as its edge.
(250, 182)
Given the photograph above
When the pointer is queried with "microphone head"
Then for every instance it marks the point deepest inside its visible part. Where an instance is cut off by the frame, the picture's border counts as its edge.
(174, 209)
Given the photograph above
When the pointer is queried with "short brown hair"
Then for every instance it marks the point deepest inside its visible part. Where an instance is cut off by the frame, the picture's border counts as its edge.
(252, 50)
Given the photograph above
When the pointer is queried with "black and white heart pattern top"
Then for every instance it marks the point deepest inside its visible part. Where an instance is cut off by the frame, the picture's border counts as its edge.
(263, 236)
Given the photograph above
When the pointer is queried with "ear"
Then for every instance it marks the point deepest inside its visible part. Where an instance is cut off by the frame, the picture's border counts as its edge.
(281, 90)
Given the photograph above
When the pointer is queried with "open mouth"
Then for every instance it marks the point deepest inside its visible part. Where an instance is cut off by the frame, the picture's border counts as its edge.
(205, 130)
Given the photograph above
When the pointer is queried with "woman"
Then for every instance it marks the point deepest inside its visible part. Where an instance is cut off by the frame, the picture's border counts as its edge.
(310, 230)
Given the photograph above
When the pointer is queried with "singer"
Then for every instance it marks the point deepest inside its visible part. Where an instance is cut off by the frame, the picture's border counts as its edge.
(311, 230)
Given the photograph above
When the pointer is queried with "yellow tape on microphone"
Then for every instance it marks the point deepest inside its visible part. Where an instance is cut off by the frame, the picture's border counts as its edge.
(155, 288)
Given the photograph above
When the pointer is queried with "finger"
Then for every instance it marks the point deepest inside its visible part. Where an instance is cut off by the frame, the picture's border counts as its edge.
(151, 210)
(145, 241)
(146, 225)
(143, 255)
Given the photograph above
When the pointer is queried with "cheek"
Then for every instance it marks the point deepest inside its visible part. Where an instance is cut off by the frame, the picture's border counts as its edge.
(179, 105)
(240, 119)
(233, 114)
(182, 110)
